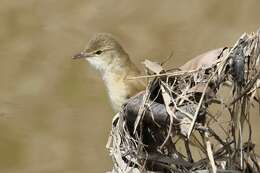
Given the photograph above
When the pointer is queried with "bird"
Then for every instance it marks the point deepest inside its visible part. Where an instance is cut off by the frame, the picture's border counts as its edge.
(108, 57)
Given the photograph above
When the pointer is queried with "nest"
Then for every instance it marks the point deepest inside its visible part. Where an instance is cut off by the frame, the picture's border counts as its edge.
(195, 118)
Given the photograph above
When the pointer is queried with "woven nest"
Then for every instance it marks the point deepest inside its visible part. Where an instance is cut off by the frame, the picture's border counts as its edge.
(195, 118)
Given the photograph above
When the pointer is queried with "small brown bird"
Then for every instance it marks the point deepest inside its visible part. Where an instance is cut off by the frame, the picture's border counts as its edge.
(106, 55)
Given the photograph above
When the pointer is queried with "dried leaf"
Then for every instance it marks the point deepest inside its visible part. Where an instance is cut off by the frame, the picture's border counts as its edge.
(153, 66)
(210, 153)
(203, 61)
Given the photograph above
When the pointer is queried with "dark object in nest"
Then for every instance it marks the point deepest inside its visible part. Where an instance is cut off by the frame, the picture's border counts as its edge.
(153, 130)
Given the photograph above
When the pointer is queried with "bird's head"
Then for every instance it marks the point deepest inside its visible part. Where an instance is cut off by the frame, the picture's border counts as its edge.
(101, 51)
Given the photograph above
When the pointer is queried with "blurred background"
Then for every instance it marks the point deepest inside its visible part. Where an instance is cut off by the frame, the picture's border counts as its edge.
(55, 116)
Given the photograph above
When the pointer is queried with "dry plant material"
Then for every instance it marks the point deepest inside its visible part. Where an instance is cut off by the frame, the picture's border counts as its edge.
(176, 124)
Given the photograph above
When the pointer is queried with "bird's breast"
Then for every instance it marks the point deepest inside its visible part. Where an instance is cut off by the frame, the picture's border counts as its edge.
(118, 90)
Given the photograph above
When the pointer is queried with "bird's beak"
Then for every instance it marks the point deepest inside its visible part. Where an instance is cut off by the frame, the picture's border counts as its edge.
(82, 55)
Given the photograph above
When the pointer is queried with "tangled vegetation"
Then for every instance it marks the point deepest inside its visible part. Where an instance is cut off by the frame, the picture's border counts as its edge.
(193, 118)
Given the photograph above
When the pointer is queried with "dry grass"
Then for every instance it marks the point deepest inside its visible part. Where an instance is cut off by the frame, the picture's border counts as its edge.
(175, 110)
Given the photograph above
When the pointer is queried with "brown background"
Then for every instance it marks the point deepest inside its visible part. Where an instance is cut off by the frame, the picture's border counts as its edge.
(54, 112)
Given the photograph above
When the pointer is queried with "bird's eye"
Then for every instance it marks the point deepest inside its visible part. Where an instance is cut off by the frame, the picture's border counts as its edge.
(98, 52)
